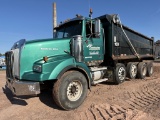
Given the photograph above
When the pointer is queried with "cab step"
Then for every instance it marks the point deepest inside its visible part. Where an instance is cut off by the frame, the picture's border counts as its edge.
(99, 81)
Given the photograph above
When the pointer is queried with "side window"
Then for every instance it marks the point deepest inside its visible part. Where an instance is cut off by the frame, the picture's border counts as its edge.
(90, 33)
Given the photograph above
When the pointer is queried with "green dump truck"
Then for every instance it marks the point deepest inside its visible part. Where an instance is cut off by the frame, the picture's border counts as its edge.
(83, 52)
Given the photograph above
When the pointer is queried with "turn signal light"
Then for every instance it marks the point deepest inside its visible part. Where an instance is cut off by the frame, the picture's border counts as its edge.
(45, 58)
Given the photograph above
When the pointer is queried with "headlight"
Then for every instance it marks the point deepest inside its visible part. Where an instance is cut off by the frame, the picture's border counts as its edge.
(37, 68)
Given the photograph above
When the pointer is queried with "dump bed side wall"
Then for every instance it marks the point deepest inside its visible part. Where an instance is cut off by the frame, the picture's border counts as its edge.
(122, 47)
(117, 46)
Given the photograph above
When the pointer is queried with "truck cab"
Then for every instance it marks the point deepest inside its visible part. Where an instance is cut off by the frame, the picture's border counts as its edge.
(77, 48)
(91, 44)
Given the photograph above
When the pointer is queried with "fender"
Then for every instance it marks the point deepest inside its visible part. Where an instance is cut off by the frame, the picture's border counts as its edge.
(79, 67)
(56, 68)
(64, 70)
(51, 69)
(61, 66)
(86, 71)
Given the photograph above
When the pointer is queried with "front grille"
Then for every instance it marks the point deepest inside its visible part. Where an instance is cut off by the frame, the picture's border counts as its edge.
(12, 64)
(9, 56)
(13, 60)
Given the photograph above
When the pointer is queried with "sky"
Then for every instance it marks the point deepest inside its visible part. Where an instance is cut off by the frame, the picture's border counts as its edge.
(32, 19)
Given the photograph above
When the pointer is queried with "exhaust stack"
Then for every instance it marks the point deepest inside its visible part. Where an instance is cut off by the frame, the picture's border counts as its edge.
(54, 17)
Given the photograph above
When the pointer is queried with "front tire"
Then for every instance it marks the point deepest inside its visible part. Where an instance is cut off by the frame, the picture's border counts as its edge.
(70, 90)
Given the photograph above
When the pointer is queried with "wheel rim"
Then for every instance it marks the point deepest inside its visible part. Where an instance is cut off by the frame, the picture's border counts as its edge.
(151, 71)
(74, 90)
(144, 71)
(121, 73)
(134, 70)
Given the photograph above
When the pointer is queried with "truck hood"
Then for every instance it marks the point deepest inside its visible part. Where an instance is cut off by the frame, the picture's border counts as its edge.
(47, 47)
(35, 50)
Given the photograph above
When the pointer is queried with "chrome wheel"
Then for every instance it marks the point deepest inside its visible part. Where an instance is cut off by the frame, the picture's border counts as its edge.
(149, 68)
(134, 70)
(151, 72)
(144, 71)
(121, 73)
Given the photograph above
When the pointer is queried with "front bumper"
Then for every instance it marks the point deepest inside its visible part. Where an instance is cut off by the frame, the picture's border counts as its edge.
(23, 87)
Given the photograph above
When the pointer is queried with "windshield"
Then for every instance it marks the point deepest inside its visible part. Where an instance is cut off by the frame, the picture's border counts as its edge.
(69, 29)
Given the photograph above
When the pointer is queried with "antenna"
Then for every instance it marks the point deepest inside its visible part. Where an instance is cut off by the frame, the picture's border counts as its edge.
(90, 14)
(89, 5)
(90, 9)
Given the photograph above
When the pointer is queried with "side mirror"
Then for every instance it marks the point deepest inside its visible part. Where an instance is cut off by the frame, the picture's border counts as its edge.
(97, 27)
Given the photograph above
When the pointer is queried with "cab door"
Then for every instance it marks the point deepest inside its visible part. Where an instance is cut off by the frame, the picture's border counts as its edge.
(93, 45)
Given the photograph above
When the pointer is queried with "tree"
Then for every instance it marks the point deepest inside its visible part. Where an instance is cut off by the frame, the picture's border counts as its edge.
(2, 54)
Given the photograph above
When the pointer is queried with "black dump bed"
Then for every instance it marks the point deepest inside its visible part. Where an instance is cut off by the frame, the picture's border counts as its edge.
(117, 46)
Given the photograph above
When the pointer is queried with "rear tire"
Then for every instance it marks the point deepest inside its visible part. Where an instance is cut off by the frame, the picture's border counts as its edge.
(120, 73)
(70, 90)
(142, 70)
(132, 70)
(149, 69)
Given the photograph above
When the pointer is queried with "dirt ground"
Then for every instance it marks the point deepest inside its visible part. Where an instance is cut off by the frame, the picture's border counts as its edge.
(132, 100)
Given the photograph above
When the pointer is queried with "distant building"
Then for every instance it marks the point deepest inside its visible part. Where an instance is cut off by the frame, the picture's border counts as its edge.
(157, 49)
(2, 62)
